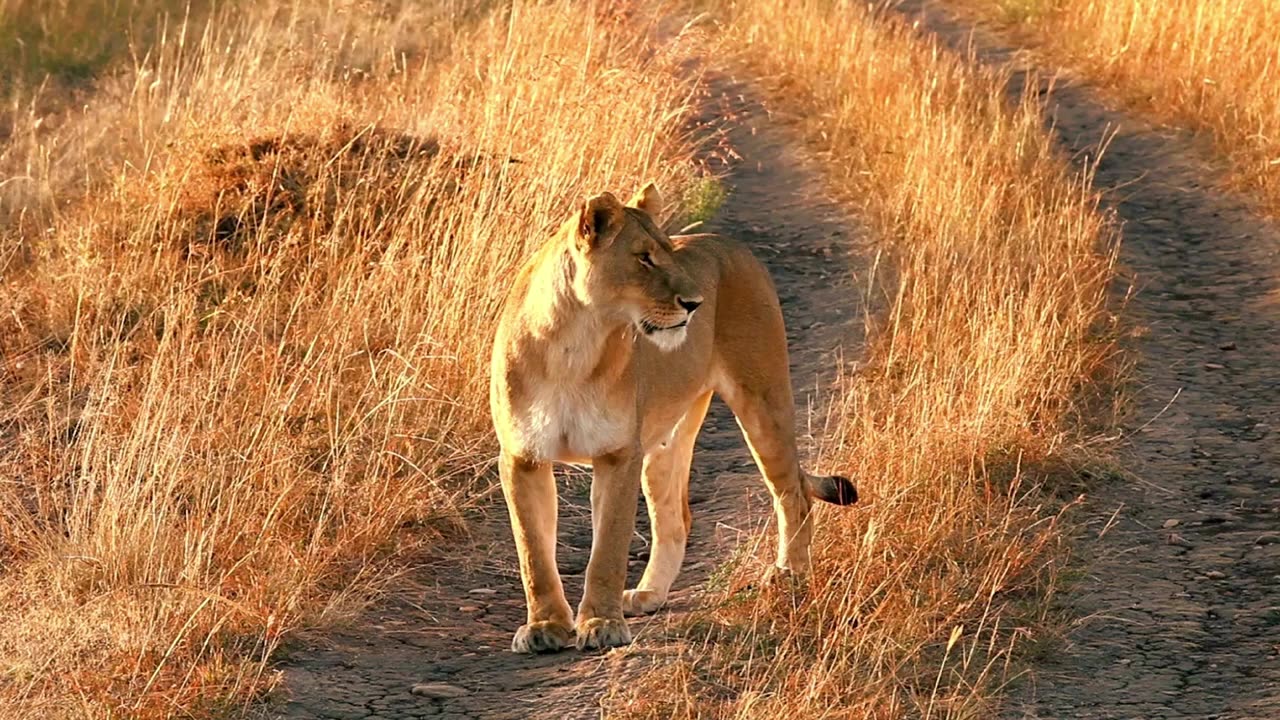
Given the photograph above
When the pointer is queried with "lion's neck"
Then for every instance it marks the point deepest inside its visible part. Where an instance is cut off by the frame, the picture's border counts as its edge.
(578, 341)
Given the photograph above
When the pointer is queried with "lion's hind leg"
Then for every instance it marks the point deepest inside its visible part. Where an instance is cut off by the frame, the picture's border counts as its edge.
(666, 492)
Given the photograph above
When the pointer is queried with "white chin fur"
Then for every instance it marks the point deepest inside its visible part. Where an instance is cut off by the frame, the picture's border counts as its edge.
(668, 340)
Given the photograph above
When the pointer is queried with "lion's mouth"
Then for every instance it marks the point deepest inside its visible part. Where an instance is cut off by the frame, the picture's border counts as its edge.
(650, 328)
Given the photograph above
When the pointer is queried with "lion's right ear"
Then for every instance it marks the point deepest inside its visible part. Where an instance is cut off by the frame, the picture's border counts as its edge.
(599, 221)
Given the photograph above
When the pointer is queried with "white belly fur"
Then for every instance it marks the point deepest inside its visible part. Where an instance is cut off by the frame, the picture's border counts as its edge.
(568, 425)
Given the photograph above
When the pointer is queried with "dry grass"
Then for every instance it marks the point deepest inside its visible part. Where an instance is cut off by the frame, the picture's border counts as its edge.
(236, 366)
(1210, 65)
(992, 278)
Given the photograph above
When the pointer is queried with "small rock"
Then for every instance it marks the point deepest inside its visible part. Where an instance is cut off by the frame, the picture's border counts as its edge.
(1176, 539)
(438, 690)
(470, 608)
(1215, 575)
(1171, 523)
(483, 591)
(1227, 346)
(1214, 366)
(1268, 539)
(1125, 661)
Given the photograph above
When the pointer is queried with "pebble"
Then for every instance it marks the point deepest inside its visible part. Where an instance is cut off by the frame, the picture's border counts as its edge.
(1171, 523)
(1215, 575)
(483, 591)
(470, 608)
(1214, 366)
(1267, 539)
(438, 690)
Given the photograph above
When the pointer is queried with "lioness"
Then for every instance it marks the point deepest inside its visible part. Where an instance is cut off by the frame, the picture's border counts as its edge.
(573, 381)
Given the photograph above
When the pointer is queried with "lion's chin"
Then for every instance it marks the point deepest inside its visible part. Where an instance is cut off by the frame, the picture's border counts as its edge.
(667, 339)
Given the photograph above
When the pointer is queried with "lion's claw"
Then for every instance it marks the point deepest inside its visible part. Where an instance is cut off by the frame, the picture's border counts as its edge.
(542, 637)
(600, 633)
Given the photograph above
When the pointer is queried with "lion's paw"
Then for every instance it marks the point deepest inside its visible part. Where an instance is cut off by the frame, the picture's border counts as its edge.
(542, 637)
(598, 633)
(641, 602)
(785, 578)
(783, 583)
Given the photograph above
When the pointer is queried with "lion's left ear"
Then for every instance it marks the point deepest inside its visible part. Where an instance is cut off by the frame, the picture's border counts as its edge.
(649, 199)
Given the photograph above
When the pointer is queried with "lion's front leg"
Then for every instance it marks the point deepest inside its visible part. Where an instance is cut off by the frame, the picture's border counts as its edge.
(614, 491)
(530, 490)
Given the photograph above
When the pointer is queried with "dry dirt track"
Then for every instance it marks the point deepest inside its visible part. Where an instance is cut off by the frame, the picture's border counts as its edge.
(438, 630)
(1174, 620)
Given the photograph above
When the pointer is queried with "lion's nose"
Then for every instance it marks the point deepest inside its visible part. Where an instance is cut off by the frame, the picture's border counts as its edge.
(689, 304)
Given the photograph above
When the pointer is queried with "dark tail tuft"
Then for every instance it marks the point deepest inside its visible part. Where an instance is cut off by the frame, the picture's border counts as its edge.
(834, 489)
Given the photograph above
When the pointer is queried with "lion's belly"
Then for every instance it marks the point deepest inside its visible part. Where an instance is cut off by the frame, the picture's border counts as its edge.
(563, 425)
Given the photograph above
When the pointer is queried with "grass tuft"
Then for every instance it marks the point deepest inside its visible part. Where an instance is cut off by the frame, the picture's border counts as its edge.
(704, 199)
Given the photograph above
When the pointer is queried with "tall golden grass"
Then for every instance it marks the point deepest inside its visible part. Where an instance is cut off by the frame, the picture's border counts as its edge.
(993, 324)
(1209, 65)
(248, 278)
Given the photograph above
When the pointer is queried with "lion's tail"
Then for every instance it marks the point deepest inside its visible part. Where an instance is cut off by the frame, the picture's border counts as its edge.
(834, 489)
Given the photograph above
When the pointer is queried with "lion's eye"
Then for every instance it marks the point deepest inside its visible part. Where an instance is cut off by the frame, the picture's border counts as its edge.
(646, 260)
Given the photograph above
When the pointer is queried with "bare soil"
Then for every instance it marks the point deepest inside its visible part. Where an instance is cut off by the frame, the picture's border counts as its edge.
(451, 621)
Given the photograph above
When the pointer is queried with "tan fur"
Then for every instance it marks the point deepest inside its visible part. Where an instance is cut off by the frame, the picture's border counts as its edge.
(578, 377)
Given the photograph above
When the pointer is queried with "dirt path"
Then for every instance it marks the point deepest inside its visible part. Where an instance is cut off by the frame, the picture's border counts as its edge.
(454, 625)
(1176, 620)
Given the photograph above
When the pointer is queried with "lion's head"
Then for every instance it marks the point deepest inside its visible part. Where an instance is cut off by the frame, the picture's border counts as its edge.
(625, 264)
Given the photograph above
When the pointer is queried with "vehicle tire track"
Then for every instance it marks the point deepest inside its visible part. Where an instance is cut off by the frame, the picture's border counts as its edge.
(1178, 613)
(437, 627)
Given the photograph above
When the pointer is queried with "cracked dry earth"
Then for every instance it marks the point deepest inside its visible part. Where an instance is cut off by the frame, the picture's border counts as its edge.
(452, 622)
(1178, 612)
